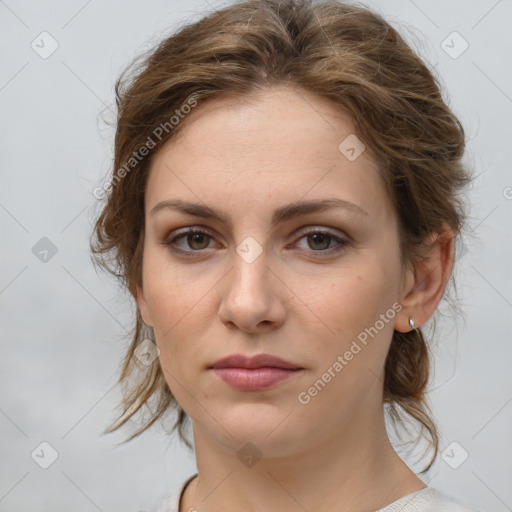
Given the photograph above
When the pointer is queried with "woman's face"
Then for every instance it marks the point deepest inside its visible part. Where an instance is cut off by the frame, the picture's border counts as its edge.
(254, 282)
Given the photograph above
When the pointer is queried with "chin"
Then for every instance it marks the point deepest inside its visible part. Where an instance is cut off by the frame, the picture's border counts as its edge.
(262, 426)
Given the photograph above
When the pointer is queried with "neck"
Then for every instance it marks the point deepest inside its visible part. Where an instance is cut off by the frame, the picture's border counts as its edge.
(353, 469)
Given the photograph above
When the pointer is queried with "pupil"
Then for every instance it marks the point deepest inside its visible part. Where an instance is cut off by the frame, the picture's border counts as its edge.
(196, 237)
(320, 236)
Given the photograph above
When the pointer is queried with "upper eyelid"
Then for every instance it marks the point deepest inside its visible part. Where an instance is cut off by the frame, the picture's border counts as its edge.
(301, 232)
(304, 229)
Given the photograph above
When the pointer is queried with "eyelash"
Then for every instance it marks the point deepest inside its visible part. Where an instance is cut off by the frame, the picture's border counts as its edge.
(342, 242)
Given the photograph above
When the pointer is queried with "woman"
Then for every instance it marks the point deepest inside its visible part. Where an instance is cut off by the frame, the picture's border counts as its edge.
(284, 210)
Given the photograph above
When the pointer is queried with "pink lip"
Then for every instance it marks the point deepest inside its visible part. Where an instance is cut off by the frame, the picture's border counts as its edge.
(255, 373)
(255, 379)
(257, 361)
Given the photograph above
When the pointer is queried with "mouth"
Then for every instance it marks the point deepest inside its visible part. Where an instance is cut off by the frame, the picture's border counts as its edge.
(252, 362)
(254, 379)
(255, 373)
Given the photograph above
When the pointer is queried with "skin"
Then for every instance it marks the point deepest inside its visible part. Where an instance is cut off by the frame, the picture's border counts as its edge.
(247, 158)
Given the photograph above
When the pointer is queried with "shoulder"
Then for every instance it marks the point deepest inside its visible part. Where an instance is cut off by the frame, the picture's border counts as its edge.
(428, 500)
(171, 501)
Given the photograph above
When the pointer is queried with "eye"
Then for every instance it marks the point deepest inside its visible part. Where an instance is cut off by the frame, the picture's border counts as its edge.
(320, 241)
(196, 239)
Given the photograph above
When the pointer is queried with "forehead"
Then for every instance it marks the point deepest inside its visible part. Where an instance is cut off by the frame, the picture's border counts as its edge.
(278, 145)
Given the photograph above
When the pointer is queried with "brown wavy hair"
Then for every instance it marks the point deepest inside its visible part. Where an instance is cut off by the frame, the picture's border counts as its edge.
(345, 53)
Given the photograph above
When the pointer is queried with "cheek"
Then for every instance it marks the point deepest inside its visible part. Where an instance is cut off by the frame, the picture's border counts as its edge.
(172, 290)
(361, 338)
(358, 306)
(166, 297)
(172, 311)
(177, 297)
(356, 300)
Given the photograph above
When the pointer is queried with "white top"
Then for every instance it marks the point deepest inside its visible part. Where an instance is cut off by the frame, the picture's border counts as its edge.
(427, 499)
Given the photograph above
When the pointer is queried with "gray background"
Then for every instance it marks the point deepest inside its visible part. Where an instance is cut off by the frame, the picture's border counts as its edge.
(63, 325)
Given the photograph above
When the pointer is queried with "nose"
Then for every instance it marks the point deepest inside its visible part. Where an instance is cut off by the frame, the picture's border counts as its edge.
(252, 298)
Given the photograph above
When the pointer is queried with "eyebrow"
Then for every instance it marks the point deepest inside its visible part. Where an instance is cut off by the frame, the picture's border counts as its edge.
(281, 214)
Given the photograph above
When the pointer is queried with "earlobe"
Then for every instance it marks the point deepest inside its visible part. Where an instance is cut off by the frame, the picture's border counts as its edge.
(426, 284)
(143, 307)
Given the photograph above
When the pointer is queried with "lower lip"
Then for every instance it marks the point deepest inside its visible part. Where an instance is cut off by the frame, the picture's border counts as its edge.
(254, 379)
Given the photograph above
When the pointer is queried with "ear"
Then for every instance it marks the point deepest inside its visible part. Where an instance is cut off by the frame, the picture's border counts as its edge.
(426, 282)
(143, 307)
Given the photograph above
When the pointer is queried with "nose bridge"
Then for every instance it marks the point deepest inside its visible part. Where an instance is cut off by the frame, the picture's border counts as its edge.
(250, 298)
(250, 266)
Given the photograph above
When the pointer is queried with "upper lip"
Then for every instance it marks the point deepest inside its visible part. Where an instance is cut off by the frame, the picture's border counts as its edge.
(258, 361)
